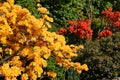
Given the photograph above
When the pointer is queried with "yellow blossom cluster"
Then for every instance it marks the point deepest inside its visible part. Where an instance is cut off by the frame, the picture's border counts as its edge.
(51, 74)
(10, 73)
(25, 44)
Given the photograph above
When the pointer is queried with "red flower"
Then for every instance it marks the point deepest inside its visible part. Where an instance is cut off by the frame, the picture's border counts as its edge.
(105, 33)
(89, 36)
(113, 17)
(88, 22)
(79, 28)
(70, 29)
(62, 31)
(117, 24)
(110, 9)
(74, 23)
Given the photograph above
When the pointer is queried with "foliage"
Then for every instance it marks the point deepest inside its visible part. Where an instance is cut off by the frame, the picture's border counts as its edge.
(102, 57)
(53, 66)
(26, 45)
(97, 6)
(62, 10)
(116, 5)
(97, 24)
(71, 75)
(30, 5)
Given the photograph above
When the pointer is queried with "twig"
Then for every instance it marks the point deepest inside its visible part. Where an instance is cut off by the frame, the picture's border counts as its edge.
(90, 3)
(89, 11)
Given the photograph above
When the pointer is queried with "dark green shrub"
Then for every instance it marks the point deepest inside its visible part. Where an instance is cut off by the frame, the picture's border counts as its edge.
(116, 5)
(53, 66)
(102, 58)
(62, 10)
(97, 25)
(96, 6)
(30, 5)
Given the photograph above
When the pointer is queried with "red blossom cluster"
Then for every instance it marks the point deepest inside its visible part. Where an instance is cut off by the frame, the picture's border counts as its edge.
(62, 31)
(104, 33)
(113, 17)
(79, 28)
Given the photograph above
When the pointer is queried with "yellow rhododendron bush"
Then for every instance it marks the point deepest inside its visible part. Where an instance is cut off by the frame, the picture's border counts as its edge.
(25, 44)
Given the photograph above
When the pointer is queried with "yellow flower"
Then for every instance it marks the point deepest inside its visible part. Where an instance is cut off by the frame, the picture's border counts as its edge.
(5, 70)
(16, 61)
(40, 61)
(58, 59)
(8, 71)
(5, 30)
(81, 46)
(37, 0)
(10, 1)
(24, 77)
(77, 64)
(16, 46)
(37, 51)
(38, 5)
(66, 48)
(33, 39)
(9, 51)
(46, 17)
(3, 39)
(6, 5)
(24, 52)
(3, 10)
(43, 62)
(46, 55)
(37, 48)
(10, 78)
(30, 56)
(39, 70)
(12, 17)
(85, 67)
(15, 71)
(43, 10)
(56, 45)
(79, 71)
(32, 75)
(48, 24)
(51, 74)
(61, 39)
(59, 54)
(1, 49)
(76, 48)
(66, 66)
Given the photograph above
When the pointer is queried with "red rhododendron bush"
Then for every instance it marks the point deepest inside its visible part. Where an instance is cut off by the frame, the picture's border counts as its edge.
(25, 44)
(113, 22)
(113, 17)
